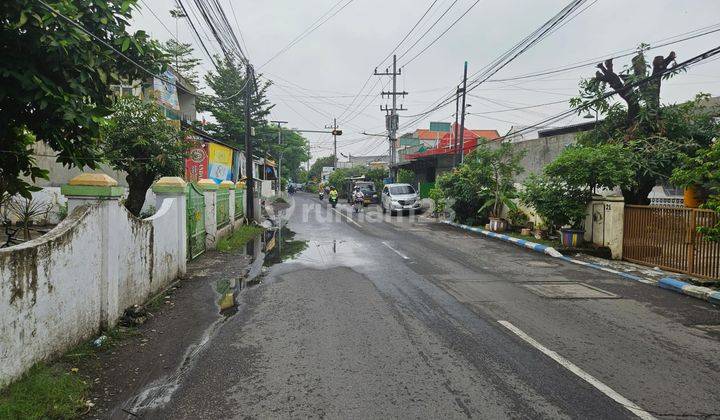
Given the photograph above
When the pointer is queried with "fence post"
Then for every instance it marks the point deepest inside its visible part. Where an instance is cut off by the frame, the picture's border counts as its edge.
(209, 188)
(173, 187)
(101, 188)
(691, 241)
(231, 203)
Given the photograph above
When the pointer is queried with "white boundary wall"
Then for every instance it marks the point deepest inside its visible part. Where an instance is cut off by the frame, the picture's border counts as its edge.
(63, 287)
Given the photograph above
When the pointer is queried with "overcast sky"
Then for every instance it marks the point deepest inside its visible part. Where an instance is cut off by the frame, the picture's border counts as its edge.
(318, 77)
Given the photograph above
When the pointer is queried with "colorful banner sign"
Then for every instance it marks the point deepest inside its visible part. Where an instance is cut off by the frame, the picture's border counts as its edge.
(196, 164)
(220, 161)
(166, 91)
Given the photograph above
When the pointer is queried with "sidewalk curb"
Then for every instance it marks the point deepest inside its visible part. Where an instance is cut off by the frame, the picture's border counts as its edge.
(519, 242)
(668, 283)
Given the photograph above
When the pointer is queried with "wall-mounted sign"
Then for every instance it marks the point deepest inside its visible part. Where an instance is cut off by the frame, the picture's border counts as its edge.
(220, 162)
(196, 163)
(166, 90)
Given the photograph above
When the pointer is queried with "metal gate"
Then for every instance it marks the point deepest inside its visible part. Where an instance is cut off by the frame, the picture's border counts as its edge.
(667, 237)
(195, 221)
(222, 208)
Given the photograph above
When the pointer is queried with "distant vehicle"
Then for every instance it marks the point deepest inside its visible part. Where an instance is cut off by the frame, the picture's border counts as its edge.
(399, 198)
(368, 190)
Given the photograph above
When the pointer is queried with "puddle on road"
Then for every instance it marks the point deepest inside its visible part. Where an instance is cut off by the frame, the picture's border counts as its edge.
(267, 251)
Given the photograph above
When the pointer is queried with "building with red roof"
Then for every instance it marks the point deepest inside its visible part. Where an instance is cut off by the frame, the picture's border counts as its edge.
(429, 162)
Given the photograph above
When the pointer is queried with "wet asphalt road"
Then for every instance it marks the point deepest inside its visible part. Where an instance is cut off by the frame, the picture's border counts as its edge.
(370, 318)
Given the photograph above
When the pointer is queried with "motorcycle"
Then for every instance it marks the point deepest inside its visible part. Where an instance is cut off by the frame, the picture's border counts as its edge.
(358, 204)
(333, 201)
(322, 195)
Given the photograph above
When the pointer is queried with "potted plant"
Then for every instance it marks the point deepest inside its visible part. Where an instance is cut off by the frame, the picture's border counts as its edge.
(501, 165)
(560, 205)
(496, 203)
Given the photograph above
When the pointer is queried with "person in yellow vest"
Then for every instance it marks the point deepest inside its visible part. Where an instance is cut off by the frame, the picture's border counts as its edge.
(333, 196)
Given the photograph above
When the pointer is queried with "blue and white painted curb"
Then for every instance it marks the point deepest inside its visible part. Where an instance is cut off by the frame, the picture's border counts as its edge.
(520, 242)
(669, 283)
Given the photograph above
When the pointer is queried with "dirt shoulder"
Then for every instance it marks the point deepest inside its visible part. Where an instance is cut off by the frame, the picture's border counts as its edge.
(177, 320)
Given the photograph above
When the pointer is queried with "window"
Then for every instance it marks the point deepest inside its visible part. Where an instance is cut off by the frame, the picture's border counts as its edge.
(402, 189)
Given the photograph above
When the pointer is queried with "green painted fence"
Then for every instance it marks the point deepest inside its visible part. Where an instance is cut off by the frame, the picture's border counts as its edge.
(222, 208)
(195, 221)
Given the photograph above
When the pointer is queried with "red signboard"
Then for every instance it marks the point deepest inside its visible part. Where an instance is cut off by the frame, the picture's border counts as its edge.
(196, 164)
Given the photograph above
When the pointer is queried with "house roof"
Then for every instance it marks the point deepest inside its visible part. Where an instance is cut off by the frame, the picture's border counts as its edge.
(425, 134)
(445, 145)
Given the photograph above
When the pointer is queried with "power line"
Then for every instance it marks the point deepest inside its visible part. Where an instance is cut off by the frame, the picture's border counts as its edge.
(499, 63)
(427, 31)
(409, 32)
(441, 34)
(312, 28)
(685, 64)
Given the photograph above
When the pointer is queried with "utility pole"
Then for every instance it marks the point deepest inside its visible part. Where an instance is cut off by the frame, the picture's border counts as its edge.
(279, 181)
(391, 117)
(250, 181)
(455, 127)
(462, 117)
(335, 132)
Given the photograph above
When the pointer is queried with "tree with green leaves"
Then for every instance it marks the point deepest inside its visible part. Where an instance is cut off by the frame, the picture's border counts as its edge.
(139, 140)
(556, 202)
(316, 168)
(483, 184)
(227, 104)
(295, 149)
(182, 59)
(406, 176)
(603, 166)
(503, 164)
(703, 170)
(651, 134)
(55, 80)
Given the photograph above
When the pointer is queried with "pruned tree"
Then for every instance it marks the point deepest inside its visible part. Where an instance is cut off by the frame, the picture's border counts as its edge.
(652, 134)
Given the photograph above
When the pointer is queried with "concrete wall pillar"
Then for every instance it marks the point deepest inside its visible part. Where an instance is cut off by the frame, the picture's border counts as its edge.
(605, 223)
(175, 188)
(101, 189)
(209, 188)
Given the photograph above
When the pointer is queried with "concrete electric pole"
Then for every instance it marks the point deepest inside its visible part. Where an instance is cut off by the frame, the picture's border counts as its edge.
(391, 116)
(280, 155)
(462, 116)
(250, 181)
(335, 132)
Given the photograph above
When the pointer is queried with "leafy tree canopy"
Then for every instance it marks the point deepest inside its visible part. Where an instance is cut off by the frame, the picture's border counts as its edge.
(316, 168)
(703, 169)
(181, 58)
(652, 134)
(295, 149)
(55, 80)
(139, 140)
(604, 166)
(228, 104)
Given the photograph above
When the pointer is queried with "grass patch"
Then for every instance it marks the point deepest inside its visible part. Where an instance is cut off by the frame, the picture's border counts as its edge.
(239, 238)
(87, 348)
(44, 392)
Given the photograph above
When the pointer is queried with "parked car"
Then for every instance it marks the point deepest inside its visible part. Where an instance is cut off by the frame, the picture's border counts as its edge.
(399, 198)
(368, 190)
